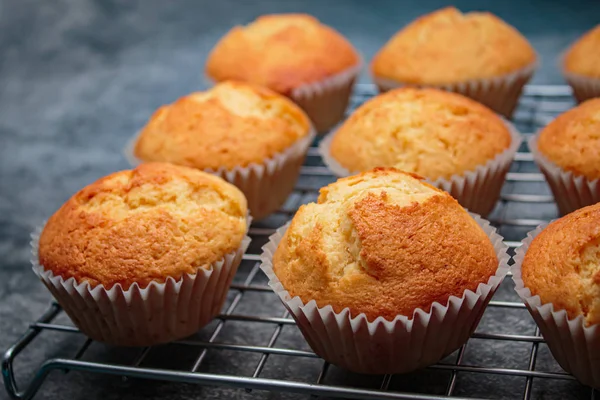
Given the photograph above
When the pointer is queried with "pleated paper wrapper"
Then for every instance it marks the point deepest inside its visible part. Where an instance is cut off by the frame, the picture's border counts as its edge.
(501, 94)
(574, 345)
(477, 190)
(158, 313)
(381, 346)
(571, 192)
(326, 101)
(266, 185)
(584, 88)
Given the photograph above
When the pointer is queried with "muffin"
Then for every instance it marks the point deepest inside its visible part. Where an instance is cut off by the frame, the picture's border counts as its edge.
(456, 143)
(144, 256)
(295, 55)
(556, 274)
(248, 135)
(568, 153)
(581, 65)
(475, 54)
(385, 273)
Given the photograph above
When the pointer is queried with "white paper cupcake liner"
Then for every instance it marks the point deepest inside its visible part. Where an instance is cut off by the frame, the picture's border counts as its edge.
(266, 185)
(477, 190)
(584, 88)
(575, 346)
(501, 94)
(571, 192)
(158, 313)
(381, 346)
(326, 101)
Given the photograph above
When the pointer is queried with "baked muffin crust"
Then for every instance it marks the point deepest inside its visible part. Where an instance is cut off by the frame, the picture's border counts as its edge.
(583, 57)
(383, 243)
(232, 124)
(572, 140)
(143, 225)
(429, 132)
(281, 52)
(562, 264)
(447, 46)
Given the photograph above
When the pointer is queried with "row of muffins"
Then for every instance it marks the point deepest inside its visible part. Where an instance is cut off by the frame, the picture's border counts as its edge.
(383, 263)
(475, 54)
(257, 140)
(383, 274)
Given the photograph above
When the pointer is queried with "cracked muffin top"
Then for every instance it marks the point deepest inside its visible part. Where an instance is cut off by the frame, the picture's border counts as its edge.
(428, 132)
(383, 243)
(572, 140)
(562, 264)
(281, 52)
(232, 124)
(447, 46)
(142, 225)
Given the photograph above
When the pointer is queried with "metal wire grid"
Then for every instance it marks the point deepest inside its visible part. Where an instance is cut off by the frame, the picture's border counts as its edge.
(524, 195)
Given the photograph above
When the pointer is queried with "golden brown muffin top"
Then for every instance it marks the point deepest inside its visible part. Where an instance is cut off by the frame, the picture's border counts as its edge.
(383, 243)
(144, 225)
(448, 46)
(583, 57)
(232, 124)
(429, 132)
(562, 264)
(572, 140)
(281, 52)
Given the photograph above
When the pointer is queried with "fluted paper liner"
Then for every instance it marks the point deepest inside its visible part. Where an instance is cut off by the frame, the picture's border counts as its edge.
(575, 346)
(326, 101)
(584, 88)
(477, 190)
(501, 93)
(158, 313)
(266, 185)
(571, 191)
(401, 345)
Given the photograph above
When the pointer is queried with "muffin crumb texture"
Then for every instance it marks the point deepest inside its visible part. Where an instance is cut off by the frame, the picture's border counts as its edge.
(233, 124)
(281, 52)
(448, 46)
(562, 264)
(572, 140)
(142, 225)
(583, 57)
(429, 132)
(383, 243)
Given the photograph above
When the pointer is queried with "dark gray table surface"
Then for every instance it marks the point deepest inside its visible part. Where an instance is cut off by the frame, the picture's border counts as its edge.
(78, 78)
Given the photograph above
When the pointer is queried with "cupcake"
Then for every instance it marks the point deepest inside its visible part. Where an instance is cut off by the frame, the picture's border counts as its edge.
(557, 275)
(295, 55)
(144, 256)
(581, 65)
(456, 143)
(475, 54)
(568, 153)
(248, 135)
(385, 273)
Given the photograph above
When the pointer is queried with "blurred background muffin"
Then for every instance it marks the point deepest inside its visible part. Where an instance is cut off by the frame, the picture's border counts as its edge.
(381, 248)
(247, 134)
(581, 65)
(444, 137)
(568, 153)
(144, 256)
(295, 55)
(475, 54)
(557, 274)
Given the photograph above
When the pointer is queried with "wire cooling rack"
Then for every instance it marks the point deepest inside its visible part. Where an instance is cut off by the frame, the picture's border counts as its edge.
(255, 345)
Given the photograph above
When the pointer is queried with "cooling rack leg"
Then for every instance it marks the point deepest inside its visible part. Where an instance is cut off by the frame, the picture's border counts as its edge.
(9, 356)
